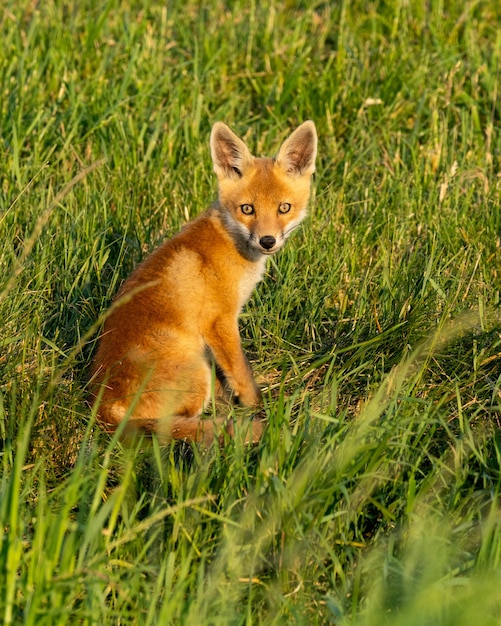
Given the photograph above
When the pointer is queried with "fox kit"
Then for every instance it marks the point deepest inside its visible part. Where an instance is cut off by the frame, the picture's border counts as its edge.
(178, 311)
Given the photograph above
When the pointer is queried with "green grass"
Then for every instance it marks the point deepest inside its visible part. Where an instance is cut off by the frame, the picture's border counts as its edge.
(373, 497)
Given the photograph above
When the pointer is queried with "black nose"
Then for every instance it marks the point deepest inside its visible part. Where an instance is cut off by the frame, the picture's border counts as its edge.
(267, 242)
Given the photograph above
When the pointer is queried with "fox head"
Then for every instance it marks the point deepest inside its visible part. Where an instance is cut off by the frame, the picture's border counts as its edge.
(262, 200)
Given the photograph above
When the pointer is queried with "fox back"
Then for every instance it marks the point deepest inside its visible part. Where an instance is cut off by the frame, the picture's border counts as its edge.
(178, 312)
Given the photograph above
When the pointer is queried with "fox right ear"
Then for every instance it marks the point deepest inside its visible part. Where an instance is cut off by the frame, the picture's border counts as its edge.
(298, 153)
(230, 155)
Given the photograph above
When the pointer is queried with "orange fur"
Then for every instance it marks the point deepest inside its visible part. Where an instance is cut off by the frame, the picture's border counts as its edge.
(180, 307)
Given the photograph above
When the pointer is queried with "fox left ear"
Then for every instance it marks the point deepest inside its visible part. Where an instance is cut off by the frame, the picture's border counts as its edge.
(298, 153)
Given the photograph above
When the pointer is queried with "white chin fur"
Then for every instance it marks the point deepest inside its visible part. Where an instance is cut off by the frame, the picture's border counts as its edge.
(269, 252)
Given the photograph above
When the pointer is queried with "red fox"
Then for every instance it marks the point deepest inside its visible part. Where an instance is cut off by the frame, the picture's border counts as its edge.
(178, 311)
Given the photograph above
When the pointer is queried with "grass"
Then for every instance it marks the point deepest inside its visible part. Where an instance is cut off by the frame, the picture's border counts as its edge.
(373, 497)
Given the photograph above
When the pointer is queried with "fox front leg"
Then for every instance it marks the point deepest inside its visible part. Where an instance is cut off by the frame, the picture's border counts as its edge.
(223, 339)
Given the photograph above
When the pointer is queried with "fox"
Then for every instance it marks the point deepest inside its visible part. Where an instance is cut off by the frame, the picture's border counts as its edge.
(176, 317)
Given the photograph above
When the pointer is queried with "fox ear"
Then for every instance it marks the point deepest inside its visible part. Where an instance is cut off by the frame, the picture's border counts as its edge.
(297, 154)
(230, 155)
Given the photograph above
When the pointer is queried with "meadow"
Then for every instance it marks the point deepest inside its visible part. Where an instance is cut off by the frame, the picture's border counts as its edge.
(374, 495)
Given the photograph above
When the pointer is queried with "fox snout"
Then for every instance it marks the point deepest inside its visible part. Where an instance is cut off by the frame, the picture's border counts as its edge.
(258, 245)
(264, 236)
(267, 242)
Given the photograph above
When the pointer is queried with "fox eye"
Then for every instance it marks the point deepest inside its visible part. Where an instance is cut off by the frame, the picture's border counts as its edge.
(285, 207)
(247, 209)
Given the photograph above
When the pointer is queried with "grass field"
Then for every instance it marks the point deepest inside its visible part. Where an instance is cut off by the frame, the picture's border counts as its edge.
(374, 496)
